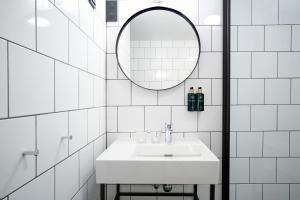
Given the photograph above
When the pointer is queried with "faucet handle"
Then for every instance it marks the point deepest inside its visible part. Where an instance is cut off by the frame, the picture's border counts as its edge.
(168, 126)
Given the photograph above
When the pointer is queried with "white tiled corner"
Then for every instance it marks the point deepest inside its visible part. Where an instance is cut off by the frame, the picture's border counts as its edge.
(251, 91)
(210, 119)
(3, 79)
(250, 38)
(94, 58)
(86, 90)
(112, 66)
(86, 163)
(52, 37)
(239, 170)
(249, 144)
(133, 123)
(276, 144)
(294, 143)
(111, 137)
(289, 12)
(67, 178)
(217, 91)
(77, 129)
(81, 194)
(41, 188)
(118, 92)
(210, 65)
(112, 119)
(17, 135)
(210, 13)
(264, 12)
(93, 124)
(264, 64)
(295, 89)
(206, 89)
(173, 96)
(183, 120)
(86, 17)
(275, 87)
(240, 118)
(263, 117)
(93, 189)
(66, 87)
(20, 27)
(141, 96)
(249, 192)
(240, 65)
(69, 8)
(205, 37)
(77, 47)
(97, 92)
(288, 63)
(241, 12)
(262, 170)
(278, 38)
(288, 117)
(156, 117)
(104, 92)
(296, 38)
(100, 29)
(31, 82)
(286, 168)
(102, 120)
(276, 191)
(50, 130)
(99, 147)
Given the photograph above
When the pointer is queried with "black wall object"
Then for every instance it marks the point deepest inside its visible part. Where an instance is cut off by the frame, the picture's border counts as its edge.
(111, 10)
(93, 3)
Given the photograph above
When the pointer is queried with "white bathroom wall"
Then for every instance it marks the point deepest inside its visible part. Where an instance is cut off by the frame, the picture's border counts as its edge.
(131, 108)
(265, 100)
(52, 84)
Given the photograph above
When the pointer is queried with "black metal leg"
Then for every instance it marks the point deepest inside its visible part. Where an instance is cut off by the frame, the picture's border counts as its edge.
(212, 192)
(117, 197)
(196, 192)
(102, 192)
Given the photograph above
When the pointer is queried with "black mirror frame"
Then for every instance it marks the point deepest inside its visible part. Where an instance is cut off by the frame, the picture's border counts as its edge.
(151, 9)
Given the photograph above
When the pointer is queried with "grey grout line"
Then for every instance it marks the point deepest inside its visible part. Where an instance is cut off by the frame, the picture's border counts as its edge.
(8, 65)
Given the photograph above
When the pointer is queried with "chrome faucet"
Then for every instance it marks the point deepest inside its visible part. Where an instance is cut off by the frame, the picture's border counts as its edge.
(168, 134)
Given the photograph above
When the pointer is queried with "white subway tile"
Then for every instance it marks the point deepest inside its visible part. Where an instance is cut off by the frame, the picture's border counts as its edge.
(86, 17)
(217, 91)
(264, 64)
(81, 194)
(3, 80)
(289, 12)
(100, 30)
(31, 82)
(264, 12)
(17, 135)
(173, 96)
(294, 144)
(140, 96)
(78, 127)
(112, 33)
(286, 170)
(102, 120)
(216, 143)
(277, 91)
(111, 137)
(296, 38)
(112, 119)
(130, 119)
(239, 170)
(93, 189)
(233, 38)
(99, 146)
(295, 84)
(118, 92)
(66, 87)
(205, 37)
(294, 191)
(67, 178)
(94, 58)
(156, 117)
(86, 90)
(210, 65)
(251, 91)
(241, 12)
(86, 163)
(77, 47)
(50, 130)
(210, 13)
(278, 38)
(93, 124)
(240, 65)
(183, 120)
(210, 119)
(17, 22)
(249, 192)
(97, 92)
(112, 66)
(41, 188)
(206, 89)
(276, 191)
(233, 91)
(288, 63)
(249, 144)
(103, 91)
(217, 38)
(69, 8)
(52, 38)
(233, 144)
(276, 144)
(240, 118)
(263, 117)
(251, 38)
(262, 170)
(288, 117)
(203, 136)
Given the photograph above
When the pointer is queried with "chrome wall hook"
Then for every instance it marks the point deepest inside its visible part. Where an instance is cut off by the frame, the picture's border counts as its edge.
(68, 137)
(31, 153)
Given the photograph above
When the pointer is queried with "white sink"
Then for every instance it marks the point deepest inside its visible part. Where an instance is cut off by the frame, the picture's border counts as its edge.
(182, 162)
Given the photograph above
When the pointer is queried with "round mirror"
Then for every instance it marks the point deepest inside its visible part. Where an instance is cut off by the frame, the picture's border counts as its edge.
(158, 48)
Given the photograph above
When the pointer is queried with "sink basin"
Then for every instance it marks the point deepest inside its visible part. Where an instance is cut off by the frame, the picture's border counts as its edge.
(182, 162)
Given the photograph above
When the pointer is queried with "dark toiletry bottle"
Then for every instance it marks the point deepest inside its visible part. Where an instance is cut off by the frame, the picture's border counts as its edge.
(191, 100)
(200, 100)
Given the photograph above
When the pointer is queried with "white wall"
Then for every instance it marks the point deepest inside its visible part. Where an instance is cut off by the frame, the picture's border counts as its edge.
(52, 84)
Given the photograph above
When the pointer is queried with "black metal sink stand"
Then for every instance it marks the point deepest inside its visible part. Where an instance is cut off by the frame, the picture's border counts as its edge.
(177, 194)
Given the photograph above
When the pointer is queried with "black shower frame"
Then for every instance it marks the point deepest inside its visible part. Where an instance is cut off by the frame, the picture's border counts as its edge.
(225, 113)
